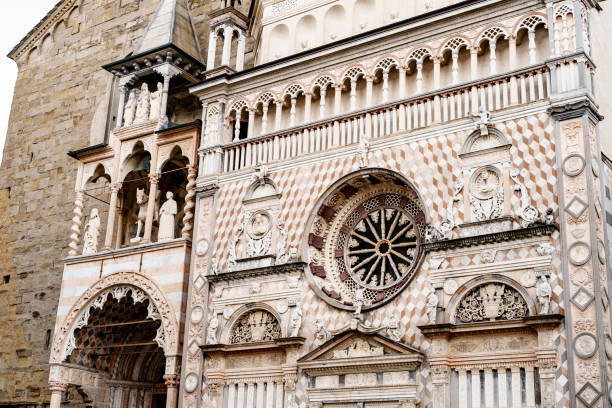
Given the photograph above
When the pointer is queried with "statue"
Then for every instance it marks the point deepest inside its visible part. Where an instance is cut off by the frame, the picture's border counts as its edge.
(141, 200)
(92, 231)
(130, 109)
(431, 307)
(321, 333)
(543, 292)
(166, 218)
(483, 120)
(364, 152)
(143, 106)
(211, 333)
(394, 331)
(358, 302)
(432, 234)
(156, 99)
(296, 321)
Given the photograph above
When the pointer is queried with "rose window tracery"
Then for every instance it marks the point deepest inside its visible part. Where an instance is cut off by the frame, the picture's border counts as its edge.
(493, 301)
(258, 325)
(365, 242)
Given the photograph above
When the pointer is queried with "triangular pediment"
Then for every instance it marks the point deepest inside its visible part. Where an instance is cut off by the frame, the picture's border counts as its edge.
(354, 345)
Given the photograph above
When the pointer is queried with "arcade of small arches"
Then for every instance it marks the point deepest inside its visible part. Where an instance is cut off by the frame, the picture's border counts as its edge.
(420, 69)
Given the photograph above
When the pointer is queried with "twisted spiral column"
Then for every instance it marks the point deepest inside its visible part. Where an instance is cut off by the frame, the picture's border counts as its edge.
(189, 203)
(75, 236)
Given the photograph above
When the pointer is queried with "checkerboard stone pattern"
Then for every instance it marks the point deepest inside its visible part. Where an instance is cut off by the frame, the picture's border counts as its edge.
(431, 164)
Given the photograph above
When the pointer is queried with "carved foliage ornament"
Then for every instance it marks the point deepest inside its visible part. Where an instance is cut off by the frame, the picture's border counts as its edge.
(492, 301)
(255, 326)
(118, 284)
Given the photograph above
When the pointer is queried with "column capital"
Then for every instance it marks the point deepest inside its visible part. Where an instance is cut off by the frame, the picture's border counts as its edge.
(154, 178)
(370, 78)
(115, 187)
(57, 386)
(172, 380)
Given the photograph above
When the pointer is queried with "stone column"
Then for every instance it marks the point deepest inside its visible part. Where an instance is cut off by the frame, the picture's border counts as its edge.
(204, 124)
(77, 221)
(512, 60)
(455, 66)
(307, 106)
(153, 181)
(474, 63)
(322, 104)
(419, 77)
(353, 102)
(212, 49)
(337, 99)
(189, 203)
(240, 52)
(228, 32)
(369, 90)
(122, 93)
(436, 62)
(251, 125)
(172, 383)
(492, 57)
(112, 211)
(532, 46)
(440, 378)
(402, 82)
(57, 392)
(264, 118)
(168, 72)
(385, 88)
(237, 125)
(279, 112)
(292, 111)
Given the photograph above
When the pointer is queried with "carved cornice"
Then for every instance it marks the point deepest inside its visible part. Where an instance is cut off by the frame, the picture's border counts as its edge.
(362, 365)
(258, 272)
(282, 343)
(492, 238)
(446, 329)
(33, 37)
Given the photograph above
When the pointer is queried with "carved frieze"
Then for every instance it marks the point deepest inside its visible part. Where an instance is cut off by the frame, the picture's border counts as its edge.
(493, 301)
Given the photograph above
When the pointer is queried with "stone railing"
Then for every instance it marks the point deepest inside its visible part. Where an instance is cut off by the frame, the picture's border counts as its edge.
(459, 102)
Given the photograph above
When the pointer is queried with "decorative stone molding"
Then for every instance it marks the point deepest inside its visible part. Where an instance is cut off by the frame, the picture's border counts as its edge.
(491, 302)
(117, 285)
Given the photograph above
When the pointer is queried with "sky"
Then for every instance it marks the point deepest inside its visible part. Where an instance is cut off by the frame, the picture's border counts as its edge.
(17, 18)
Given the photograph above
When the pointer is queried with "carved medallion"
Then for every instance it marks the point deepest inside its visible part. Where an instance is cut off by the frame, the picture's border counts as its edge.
(197, 314)
(485, 183)
(579, 253)
(191, 382)
(573, 165)
(202, 247)
(581, 276)
(528, 279)
(259, 225)
(608, 347)
(282, 306)
(450, 287)
(585, 345)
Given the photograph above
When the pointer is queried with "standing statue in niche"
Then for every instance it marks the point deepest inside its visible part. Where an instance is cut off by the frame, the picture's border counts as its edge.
(156, 98)
(130, 109)
(322, 335)
(92, 231)
(296, 321)
(143, 107)
(141, 200)
(431, 307)
(211, 333)
(167, 212)
(543, 292)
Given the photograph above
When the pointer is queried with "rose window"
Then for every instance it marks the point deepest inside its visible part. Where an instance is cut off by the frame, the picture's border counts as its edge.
(382, 247)
(365, 240)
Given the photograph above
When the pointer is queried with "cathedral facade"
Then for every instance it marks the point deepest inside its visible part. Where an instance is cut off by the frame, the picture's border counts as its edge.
(342, 203)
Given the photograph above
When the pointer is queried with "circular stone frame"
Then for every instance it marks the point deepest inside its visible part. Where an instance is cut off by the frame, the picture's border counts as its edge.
(575, 172)
(590, 353)
(579, 262)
